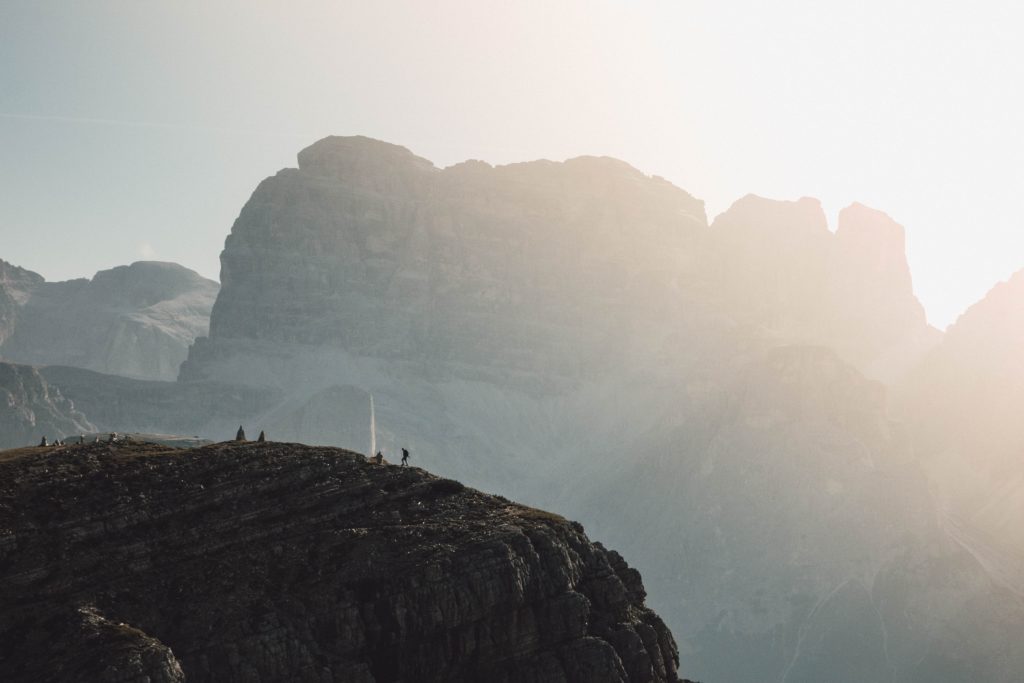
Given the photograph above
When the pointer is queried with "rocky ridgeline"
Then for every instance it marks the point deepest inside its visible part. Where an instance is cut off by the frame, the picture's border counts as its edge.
(542, 269)
(269, 562)
(515, 271)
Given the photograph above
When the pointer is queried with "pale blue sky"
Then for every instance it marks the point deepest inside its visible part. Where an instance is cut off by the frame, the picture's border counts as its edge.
(134, 129)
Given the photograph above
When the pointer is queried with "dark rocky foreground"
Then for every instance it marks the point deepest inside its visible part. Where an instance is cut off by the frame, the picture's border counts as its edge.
(281, 562)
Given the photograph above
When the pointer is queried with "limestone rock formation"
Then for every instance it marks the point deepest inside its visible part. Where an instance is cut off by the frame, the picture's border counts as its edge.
(522, 269)
(284, 562)
(30, 408)
(136, 321)
(540, 272)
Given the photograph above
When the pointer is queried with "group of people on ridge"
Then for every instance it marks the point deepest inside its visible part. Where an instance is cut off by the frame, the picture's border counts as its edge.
(45, 443)
(378, 458)
(239, 436)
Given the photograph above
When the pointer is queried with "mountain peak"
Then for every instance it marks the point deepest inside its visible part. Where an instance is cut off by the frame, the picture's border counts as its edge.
(774, 217)
(359, 160)
(877, 243)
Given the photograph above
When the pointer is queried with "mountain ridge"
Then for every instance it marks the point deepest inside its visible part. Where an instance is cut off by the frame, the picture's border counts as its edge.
(286, 562)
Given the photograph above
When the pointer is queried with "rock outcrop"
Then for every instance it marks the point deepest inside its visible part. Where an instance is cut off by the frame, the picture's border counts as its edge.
(284, 562)
(136, 320)
(30, 408)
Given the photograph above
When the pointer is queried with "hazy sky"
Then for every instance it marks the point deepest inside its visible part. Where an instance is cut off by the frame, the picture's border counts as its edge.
(136, 130)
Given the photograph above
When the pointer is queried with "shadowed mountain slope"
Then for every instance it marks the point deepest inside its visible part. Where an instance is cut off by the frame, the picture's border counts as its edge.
(31, 408)
(285, 562)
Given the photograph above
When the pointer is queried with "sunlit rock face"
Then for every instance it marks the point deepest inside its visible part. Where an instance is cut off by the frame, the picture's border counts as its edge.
(964, 405)
(575, 335)
(531, 268)
(786, 273)
(135, 321)
(969, 389)
(31, 408)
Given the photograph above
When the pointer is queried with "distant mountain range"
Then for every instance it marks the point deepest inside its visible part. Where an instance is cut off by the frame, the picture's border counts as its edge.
(136, 321)
(815, 483)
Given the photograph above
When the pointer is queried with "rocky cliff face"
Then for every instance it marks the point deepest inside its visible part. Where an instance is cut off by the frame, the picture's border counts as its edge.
(783, 271)
(30, 408)
(519, 270)
(963, 406)
(542, 269)
(16, 286)
(136, 320)
(283, 562)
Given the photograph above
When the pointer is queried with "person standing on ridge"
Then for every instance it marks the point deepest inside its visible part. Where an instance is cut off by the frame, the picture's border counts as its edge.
(405, 457)
(379, 458)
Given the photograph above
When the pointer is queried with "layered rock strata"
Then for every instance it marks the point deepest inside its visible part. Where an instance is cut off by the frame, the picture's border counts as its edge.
(284, 562)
